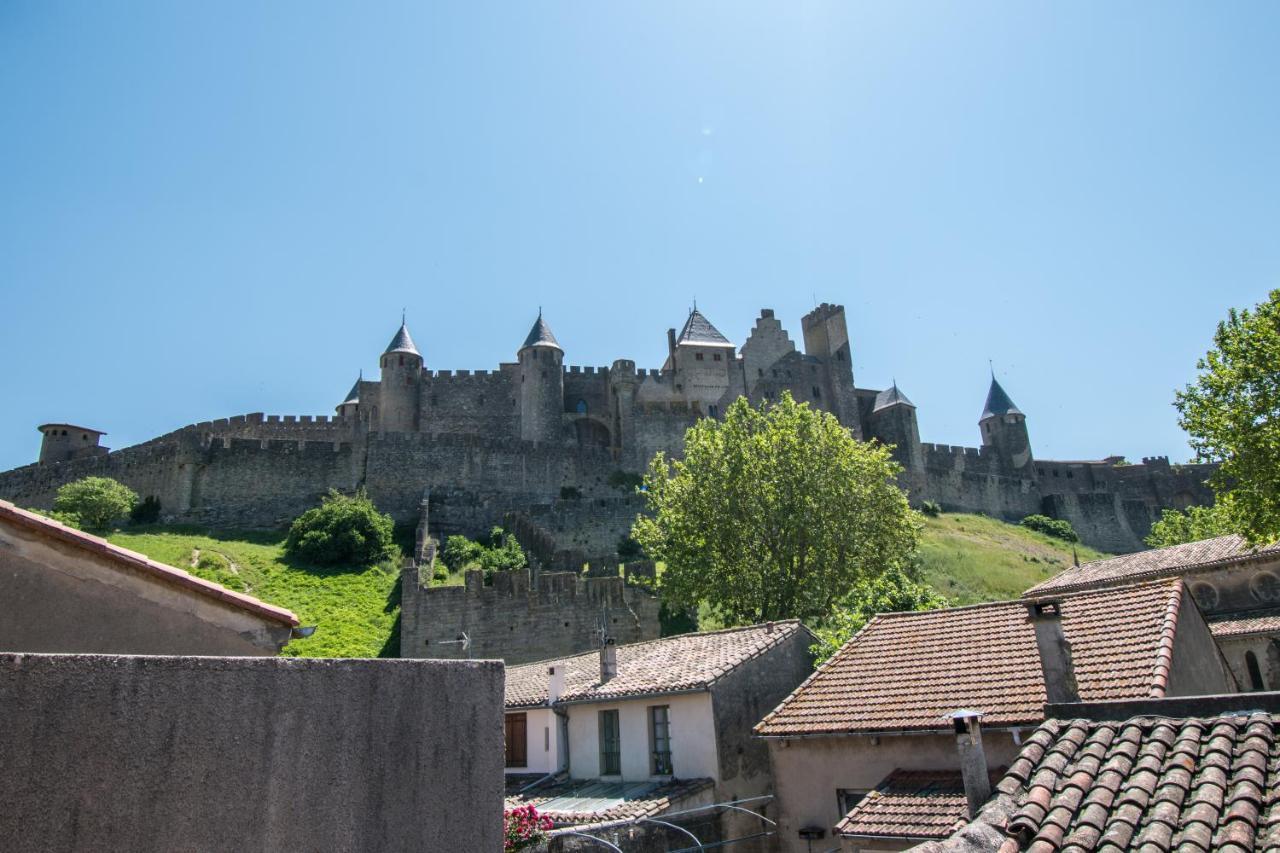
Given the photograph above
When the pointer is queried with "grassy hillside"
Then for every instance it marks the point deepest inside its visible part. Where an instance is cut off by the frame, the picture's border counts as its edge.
(967, 558)
(355, 610)
(973, 558)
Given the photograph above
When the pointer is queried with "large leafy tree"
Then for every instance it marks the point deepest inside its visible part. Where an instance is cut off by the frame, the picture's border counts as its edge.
(94, 503)
(775, 512)
(1232, 413)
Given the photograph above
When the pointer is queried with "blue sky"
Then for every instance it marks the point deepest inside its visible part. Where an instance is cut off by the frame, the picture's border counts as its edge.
(210, 209)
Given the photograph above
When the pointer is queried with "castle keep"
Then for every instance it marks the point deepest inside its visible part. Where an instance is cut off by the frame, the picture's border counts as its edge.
(543, 438)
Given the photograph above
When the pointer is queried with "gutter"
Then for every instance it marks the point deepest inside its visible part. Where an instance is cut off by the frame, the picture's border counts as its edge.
(1012, 728)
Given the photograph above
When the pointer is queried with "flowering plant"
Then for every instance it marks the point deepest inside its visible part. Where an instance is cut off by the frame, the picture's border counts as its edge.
(525, 828)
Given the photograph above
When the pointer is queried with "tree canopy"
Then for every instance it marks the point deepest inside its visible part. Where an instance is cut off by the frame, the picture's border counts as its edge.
(94, 503)
(344, 529)
(775, 512)
(1232, 413)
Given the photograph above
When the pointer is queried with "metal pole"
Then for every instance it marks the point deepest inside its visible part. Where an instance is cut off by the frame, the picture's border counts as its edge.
(695, 838)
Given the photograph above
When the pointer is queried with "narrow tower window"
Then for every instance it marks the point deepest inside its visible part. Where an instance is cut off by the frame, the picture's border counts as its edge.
(1255, 673)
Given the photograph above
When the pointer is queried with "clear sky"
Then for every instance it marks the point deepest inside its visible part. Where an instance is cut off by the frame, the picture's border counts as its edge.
(216, 208)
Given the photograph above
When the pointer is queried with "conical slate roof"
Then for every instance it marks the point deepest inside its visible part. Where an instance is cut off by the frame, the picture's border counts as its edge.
(998, 403)
(402, 342)
(353, 396)
(540, 335)
(891, 397)
(698, 330)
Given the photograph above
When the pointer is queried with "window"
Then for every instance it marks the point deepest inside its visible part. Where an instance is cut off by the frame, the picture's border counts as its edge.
(402, 361)
(716, 356)
(714, 410)
(817, 394)
(610, 744)
(582, 407)
(698, 356)
(660, 740)
(1255, 674)
(847, 798)
(517, 742)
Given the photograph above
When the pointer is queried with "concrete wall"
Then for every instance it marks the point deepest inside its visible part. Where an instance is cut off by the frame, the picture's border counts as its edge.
(693, 737)
(57, 597)
(808, 772)
(543, 749)
(195, 754)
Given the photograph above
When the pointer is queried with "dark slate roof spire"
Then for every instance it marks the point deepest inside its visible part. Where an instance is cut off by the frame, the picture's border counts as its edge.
(540, 335)
(891, 397)
(998, 403)
(353, 396)
(402, 342)
(698, 330)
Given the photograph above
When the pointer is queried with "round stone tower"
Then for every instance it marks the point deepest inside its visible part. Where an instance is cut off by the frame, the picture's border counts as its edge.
(401, 380)
(541, 384)
(1004, 429)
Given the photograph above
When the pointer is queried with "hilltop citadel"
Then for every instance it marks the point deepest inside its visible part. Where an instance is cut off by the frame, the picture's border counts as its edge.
(536, 442)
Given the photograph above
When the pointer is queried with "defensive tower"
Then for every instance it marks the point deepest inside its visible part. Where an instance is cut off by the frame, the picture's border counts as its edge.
(541, 384)
(401, 379)
(1004, 430)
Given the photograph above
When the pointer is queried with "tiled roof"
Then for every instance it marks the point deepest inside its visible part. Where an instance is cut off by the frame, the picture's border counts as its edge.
(1148, 783)
(998, 402)
(43, 427)
(891, 397)
(402, 342)
(353, 396)
(132, 560)
(668, 665)
(1143, 565)
(904, 671)
(1258, 622)
(912, 804)
(573, 802)
(698, 330)
(540, 335)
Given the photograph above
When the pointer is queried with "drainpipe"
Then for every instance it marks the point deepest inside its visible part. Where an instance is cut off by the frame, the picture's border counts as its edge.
(1055, 651)
(973, 759)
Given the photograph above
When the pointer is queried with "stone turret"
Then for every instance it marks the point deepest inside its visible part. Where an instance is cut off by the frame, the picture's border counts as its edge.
(401, 379)
(541, 384)
(622, 406)
(350, 404)
(701, 360)
(1004, 430)
(893, 421)
(826, 338)
(68, 441)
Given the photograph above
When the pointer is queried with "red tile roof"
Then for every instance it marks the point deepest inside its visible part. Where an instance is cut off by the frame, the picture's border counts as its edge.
(668, 665)
(912, 804)
(904, 671)
(128, 560)
(1160, 562)
(1247, 624)
(1149, 783)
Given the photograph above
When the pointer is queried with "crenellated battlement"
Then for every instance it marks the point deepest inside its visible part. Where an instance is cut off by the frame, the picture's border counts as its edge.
(587, 371)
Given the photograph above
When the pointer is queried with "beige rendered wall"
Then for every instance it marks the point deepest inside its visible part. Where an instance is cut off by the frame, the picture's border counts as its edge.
(693, 738)
(807, 773)
(56, 597)
(542, 741)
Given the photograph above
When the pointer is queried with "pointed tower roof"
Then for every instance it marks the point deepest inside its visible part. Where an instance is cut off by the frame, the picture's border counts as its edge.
(891, 397)
(402, 342)
(698, 330)
(353, 396)
(540, 335)
(998, 403)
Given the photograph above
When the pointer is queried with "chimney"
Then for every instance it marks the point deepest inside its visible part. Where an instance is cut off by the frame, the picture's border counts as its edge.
(973, 759)
(1055, 651)
(671, 345)
(555, 682)
(608, 660)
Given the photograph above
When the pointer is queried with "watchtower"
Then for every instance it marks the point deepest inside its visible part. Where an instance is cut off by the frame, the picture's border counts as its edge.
(541, 384)
(68, 441)
(1004, 429)
(401, 379)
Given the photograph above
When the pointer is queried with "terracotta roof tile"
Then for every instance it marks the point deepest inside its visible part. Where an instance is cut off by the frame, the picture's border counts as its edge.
(904, 671)
(667, 665)
(1237, 625)
(1167, 798)
(911, 804)
(1159, 562)
(142, 564)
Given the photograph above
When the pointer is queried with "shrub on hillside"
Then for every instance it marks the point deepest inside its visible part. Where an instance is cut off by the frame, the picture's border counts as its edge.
(626, 481)
(1055, 527)
(94, 502)
(460, 552)
(933, 509)
(343, 529)
(498, 552)
(146, 511)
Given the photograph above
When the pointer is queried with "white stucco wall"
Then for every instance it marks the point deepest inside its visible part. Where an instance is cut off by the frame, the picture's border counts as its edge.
(542, 737)
(693, 739)
(807, 772)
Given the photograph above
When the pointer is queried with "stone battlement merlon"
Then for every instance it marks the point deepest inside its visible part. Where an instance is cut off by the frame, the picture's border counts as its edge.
(823, 312)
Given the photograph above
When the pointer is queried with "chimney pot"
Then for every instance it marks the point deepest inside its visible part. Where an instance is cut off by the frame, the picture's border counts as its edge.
(973, 758)
(608, 660)
(1055, 651)
(555, 682)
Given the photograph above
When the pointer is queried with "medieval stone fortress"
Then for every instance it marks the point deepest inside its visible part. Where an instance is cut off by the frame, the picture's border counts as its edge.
(536, 443)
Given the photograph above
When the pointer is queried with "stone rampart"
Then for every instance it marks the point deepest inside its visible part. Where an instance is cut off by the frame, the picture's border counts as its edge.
(189, 753)
(520, 619)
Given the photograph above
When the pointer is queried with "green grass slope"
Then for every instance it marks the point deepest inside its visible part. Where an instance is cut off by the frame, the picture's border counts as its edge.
(355, 610)
(973, 558)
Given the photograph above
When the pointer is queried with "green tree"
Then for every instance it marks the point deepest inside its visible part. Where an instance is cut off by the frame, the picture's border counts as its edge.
(1232, 412)
(95, 502)
(893, 591)
(774, 513)
(345, 529)
(1198, 522)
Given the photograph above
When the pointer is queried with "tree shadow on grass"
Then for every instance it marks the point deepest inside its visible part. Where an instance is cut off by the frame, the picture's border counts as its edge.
(391, 648)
